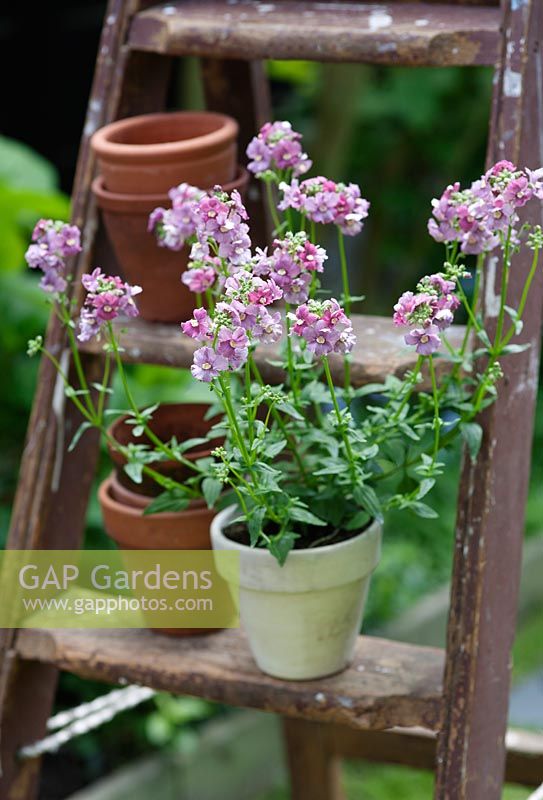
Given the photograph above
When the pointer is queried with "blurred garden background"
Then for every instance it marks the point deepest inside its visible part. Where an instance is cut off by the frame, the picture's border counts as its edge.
(403, 135)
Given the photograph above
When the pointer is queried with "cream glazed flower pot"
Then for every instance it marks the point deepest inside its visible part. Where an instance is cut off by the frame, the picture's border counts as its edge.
(302, 619)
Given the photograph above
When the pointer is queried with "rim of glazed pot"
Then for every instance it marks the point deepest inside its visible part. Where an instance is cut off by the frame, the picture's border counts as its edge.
(303, 569)
(106, 145)
(145, 203)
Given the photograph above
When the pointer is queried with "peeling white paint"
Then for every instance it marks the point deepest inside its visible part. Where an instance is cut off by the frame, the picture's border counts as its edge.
(422, 23)
(346, 702)
(512, 83)
(387, 47)
(111, 20)
(378, 20)
(320, 697)
(492, 298)
(93, 117)
(169, 10)
(265, 8)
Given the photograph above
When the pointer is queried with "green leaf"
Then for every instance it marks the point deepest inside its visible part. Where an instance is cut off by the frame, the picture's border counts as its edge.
(422, 510)
(359, 521)
(254, 524)
(289, 409)
(483, 336)
(281, 546)
(138, 431)
(424, 487)
(273, 450)
(365, 496)
(515, 348)
(304, 515)
(78, 434)
(211, 489)
(173, 500)
(472, 434)
(134, 470)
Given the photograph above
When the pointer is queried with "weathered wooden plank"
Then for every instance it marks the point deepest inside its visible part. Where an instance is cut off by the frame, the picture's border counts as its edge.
(390, 33)
(471, 752)
(387, 684)
(416, 747)
(380, 349)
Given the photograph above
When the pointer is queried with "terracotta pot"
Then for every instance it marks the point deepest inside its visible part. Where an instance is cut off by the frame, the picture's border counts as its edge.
(182, 420)
(156, 269)
(172, 530)
(149, 154)
(178, 530)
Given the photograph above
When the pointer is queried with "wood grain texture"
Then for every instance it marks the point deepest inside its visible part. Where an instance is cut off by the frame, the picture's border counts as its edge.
(388, 683)
(416, 747)
(380, 349)
(389, 33)
(490, 526)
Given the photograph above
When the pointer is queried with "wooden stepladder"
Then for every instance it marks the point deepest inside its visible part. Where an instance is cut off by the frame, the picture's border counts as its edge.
(428, 708)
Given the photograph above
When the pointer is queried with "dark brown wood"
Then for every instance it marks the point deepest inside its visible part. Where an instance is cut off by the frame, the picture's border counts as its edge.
(405, 33)
(380, 349)
(493, 491)
(315, 769)
(416, 747)
(241, 89)
(387, 684)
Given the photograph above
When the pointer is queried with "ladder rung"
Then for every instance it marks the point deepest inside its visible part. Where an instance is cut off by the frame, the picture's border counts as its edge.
(380, 350)
(405, 33)
(388, 683)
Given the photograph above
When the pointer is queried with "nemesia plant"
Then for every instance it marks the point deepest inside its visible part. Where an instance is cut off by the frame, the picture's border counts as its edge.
(313, 460)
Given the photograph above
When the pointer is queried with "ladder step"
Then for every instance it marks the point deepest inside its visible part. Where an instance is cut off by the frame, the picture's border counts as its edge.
(411, 33)
(388, 684)
(380, 350)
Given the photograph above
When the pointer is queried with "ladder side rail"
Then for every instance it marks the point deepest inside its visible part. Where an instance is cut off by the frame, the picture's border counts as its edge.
(493, 491)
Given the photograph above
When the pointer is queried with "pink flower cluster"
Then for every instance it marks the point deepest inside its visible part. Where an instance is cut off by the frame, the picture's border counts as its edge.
(221, 227)
(203, 271)
(478, 218)
(237, 322)
(53, 242)
(277, 147)
(108, 297)
(428, 312)
(292, 264)
(325, 201)
(324, 326)
(173, 226)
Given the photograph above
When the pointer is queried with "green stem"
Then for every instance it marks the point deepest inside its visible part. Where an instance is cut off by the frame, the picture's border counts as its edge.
(435, 396)
(524, 297)
(503, 291)
(105, 382)
(290, 359)
(340, 421)
(231, 414)
(271, 204)
(74, 398)
(346, 301)
(132, 403)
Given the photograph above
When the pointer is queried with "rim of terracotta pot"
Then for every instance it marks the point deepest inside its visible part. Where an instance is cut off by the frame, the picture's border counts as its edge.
(145, 203)
(124, 496)
(105, 141)
(106, 500)
(191, 455)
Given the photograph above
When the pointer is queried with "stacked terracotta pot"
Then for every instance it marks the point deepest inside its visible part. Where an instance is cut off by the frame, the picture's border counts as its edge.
(140, 159)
